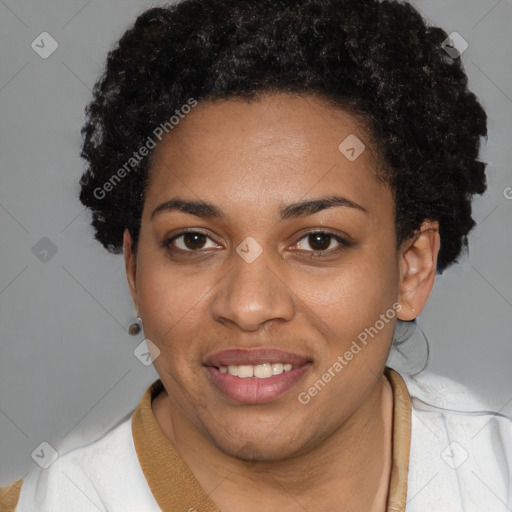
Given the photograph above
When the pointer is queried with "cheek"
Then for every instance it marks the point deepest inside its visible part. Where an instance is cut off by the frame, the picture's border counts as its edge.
(351, 300)
(170, 305)
(366, 279)
(348, 309)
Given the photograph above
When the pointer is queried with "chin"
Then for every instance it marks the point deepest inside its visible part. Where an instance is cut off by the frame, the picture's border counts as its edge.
(266, 447)
(251, 452)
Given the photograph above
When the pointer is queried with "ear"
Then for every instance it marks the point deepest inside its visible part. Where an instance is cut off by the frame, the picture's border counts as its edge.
(130, 263)
(418, 261)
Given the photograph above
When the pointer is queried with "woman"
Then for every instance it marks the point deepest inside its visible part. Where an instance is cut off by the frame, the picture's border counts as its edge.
(284, 179)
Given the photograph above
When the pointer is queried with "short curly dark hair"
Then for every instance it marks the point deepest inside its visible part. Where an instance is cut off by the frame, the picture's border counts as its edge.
(376, 58)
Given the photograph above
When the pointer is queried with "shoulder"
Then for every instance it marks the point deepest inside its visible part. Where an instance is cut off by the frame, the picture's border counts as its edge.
(440, 402)
(9, 496)
(98, 476)
(442, 391)
(460, 451)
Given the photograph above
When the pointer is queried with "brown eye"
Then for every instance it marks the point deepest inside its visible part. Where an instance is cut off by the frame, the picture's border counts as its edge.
(194, 240)
(190, 241)
(321, 242)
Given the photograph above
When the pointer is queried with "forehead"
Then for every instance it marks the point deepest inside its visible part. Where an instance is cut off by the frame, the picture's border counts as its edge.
(278, 147)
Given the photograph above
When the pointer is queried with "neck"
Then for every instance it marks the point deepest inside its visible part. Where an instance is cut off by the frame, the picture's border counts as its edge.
(348, 471)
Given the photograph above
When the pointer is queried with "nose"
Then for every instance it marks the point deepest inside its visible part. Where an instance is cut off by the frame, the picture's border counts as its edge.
(252, 295)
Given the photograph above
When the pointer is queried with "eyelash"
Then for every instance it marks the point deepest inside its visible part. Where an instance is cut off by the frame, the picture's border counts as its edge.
(343, 243)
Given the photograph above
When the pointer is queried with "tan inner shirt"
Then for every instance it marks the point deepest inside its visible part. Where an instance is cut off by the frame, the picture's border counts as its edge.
(174, 486)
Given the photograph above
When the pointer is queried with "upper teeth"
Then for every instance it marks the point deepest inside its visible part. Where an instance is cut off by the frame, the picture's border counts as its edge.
(260, 371)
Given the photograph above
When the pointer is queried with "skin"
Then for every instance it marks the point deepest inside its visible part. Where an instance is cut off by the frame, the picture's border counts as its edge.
(250, 159)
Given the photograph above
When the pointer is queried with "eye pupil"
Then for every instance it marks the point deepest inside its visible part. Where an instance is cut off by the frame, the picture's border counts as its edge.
(323, 240)
(194, 238)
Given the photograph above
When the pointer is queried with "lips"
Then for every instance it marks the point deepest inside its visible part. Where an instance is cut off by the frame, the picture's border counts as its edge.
(238, 357)
(251, 389)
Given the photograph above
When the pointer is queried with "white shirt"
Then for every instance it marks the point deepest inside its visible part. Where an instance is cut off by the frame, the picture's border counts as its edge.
(460, 460)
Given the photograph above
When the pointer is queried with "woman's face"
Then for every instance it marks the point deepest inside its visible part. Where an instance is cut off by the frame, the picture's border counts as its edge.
(263, 283)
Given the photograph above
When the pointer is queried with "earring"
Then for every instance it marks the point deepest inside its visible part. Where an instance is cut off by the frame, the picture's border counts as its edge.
(134, 328)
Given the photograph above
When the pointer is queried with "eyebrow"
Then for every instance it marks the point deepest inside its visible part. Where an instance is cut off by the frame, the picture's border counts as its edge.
(208, 210)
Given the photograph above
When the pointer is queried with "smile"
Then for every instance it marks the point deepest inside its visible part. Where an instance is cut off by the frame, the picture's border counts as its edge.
(259, 371)
(257, 375)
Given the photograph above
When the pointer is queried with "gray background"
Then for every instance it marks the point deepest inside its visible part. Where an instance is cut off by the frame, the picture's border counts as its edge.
(66, 361)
